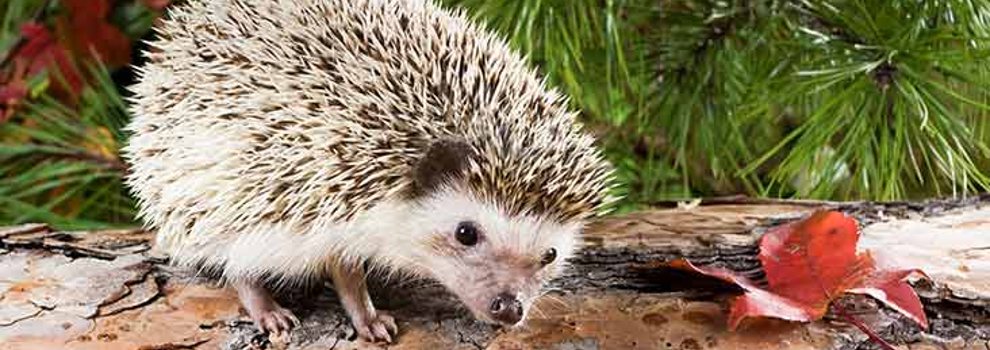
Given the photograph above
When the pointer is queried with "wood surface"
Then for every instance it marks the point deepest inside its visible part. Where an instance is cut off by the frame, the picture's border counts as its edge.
(111, 290)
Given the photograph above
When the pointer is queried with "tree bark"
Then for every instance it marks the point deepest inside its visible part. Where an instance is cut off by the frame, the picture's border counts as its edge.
(110, 290)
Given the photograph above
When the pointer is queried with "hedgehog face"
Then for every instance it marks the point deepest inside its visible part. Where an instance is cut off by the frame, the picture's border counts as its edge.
(497, 264)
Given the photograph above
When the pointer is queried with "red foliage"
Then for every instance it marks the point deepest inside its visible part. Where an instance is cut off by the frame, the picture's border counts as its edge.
(9, 95)
(38, 53)
(809, 264)
(157, 5)
(88, 33)
(83, 34)
(41, 52)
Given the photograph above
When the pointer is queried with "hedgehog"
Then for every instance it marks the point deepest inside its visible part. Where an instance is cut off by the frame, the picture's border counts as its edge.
(278, 141)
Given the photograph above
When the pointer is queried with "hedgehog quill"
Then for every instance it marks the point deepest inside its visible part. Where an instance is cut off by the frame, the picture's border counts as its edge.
(295, 140)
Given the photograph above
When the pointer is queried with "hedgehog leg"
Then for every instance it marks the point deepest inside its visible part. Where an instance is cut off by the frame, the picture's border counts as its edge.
(267, 314)
(370, 324)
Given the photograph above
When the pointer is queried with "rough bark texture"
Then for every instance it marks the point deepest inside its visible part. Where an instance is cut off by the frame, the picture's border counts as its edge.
(109, 290)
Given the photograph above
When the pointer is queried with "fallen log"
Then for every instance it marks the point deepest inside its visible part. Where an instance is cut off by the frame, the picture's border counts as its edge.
(111, 290)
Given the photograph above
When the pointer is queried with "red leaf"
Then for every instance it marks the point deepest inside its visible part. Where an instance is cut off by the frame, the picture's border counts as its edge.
(40, 53)
(810, 261)
(808, 264)
(754, 301)
(888, 286)
(89, 33)
(84, 32)
(157, 5)
(12, 92)
(10, 95)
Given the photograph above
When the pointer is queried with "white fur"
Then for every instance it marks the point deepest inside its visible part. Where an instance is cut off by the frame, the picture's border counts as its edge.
(392, 234)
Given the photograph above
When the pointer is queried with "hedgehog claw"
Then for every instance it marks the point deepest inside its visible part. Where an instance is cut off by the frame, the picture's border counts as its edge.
(275, 321)
(370, 324)
(379, 328)
(389, 322)
(267, 315)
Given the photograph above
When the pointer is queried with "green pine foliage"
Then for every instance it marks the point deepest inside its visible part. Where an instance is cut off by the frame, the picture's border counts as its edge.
(828, 99)
(60, 165)
(867, 99)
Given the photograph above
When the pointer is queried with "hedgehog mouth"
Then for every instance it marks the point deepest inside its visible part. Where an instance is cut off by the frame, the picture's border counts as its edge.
(487, 319)
(481, 312)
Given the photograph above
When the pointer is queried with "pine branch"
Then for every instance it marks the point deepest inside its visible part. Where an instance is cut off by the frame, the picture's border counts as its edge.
(112, 164)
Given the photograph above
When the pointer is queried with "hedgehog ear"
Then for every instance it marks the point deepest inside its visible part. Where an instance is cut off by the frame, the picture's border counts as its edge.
(443, 161)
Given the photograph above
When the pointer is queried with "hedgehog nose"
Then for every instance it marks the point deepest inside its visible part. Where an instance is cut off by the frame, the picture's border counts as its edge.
(506, 309)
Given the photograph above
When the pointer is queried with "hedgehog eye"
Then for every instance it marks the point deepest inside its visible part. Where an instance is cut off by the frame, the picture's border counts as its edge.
(466, 233)
(548, 256)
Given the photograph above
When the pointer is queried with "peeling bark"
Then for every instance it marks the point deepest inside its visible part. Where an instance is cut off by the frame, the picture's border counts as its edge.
(109, 289)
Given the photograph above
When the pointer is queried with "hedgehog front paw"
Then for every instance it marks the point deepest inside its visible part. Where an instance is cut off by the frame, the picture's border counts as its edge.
(380, 327)
(274, 320)
(267, 314)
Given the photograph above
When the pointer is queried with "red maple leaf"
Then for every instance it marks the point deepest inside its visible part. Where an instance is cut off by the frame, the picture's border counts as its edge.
(87, 31)
(809, 264)
(83, 34)
(39, 52)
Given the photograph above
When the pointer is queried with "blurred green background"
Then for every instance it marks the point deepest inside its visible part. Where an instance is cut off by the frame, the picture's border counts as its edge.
(843, 100)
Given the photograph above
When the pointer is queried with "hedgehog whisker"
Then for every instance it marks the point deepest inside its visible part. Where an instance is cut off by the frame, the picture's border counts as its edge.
(555, 299)
(536, 309)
